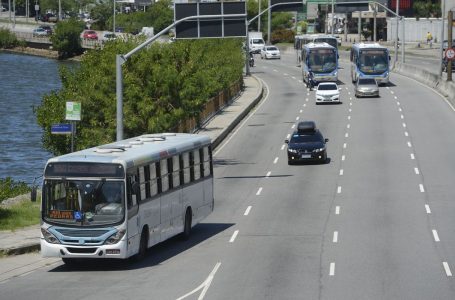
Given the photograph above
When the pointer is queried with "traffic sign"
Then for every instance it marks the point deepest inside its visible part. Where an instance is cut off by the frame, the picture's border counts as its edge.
(61, 129)
(73, 111)
(450, 54)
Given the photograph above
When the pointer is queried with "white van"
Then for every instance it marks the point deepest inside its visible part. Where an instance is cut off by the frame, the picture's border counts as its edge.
(256, 42)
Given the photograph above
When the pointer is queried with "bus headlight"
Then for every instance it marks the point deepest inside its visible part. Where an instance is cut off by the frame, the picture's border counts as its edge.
(49, 237)
(115, 238)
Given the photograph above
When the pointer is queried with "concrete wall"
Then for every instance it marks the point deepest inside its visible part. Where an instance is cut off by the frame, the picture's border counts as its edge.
(416, 31)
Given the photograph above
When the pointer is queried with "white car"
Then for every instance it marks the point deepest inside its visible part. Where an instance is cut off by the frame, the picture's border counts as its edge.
(327, 92)
(270, 52)
(107, 36)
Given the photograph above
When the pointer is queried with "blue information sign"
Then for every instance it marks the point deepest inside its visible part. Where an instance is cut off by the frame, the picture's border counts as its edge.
(61, 129)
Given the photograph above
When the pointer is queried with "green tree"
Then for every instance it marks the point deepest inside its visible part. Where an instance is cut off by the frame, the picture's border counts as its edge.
(163, 84)
(426, 9)
(102, 12)
(66, 38)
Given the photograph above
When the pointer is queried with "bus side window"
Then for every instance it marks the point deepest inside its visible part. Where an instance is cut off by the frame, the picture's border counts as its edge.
(206, 159)
(169, 173)
(132, 198)
(164, 176)
(147, 181)
(196, 164)
(142, 182)
(153, 180)
(176, 170)
(158, 177)
(191, 166)
(186, 167)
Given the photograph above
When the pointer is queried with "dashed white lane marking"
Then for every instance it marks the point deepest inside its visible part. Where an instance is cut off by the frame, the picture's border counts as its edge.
(234, 235)
(427, 209)
(337, 210)
(392, 92)
(301, 111)
(304, 105)
(435, 236)
(282, 147)
(349, 93)
(300, 81)
(349, 117)
(285, 74)
(293, 77)
(344, 145)
(395, 97)
(409, 144)
(350, 98)
(404, 125)
(341, 172)
(350, 110)
(406, 133)
(293, 126)
(268, 174)
(387, 88)
(332, 269)
(348, 126)
(275, 160)
(335, 236)
(307, 94)
(412, 156)
(421, 188)
(307, 99)
(447, 269)
(416, 170)
(402, 117)
(259, 191)
(398, 103)
(339, 190)
(350, 103)
(343, 157)
(297, 118)
(288, 136)
(275, 70)
(247, 211)
(399, 109)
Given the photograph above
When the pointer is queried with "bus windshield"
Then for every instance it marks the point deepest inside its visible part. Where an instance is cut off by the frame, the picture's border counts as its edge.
(83, 202)
(322, 60)
(373, 62)
(331, 41)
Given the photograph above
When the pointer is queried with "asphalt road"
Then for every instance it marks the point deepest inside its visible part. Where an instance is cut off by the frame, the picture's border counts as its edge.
(375, 222)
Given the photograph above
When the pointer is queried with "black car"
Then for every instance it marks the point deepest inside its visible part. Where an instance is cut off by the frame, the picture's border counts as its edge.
(306, 144)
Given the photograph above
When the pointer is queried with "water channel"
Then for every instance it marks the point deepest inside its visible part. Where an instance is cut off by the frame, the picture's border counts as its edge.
(23, 82)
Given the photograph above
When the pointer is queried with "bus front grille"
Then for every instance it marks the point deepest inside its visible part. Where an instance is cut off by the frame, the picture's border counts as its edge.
(81, 250)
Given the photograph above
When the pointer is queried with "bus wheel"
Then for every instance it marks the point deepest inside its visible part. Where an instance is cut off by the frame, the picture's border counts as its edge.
(142, 246)
(187, 225)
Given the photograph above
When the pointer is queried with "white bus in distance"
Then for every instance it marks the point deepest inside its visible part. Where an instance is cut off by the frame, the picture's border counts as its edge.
(370, 61)
(117, 200)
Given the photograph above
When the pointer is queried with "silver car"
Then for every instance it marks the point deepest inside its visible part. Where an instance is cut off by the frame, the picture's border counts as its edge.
(366, 87)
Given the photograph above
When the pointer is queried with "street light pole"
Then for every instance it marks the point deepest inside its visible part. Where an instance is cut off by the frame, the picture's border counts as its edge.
(333, 5)
(396, 31)
(113, 26)
(259, 12)
(443, 2)
(269, 25)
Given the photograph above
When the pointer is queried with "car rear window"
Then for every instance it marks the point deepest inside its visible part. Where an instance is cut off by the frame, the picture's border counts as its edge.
(300, 138)
(367, 81)
(327, 87)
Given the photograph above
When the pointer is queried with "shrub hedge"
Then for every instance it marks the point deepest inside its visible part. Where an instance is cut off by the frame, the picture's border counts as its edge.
(10, 188)
(9, 40)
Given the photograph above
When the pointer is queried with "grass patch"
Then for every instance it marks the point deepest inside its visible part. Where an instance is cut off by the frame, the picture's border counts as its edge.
(21, 215)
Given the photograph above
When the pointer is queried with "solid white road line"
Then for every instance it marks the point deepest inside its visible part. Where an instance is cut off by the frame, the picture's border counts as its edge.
(341, 172)
(335, 236)
(204, 286)
(412, 156)
(275, 160)
(435, 236)
(234, 235)
(447, 269)
(422, 190)
(417, 171)
(339, 190)
(268, 174)
(332, 269)
(282, 147)
(259, 191)
(427, 209)
(337, 210)
(247, 211)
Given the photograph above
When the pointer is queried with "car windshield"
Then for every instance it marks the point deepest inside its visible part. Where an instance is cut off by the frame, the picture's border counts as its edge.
(322, 60)
(301, 138)
(327, 87)
(367, 81)
(83, 202)
(373, 62)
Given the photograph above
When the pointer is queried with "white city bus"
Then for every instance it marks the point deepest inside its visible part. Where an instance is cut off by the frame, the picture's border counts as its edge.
(322, 60)
(117, 200)
(370, 61)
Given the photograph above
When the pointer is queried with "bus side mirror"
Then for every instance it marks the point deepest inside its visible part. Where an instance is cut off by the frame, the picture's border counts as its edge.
(33, 194)
(135, 188)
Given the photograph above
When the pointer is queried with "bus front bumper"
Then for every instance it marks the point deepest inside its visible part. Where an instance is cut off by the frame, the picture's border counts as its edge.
(118, 250)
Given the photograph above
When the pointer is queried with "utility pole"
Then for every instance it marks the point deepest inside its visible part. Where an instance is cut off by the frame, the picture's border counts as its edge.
(375, 10)
(396, 31)
(443, 2)
(269, 25)
(113, 20)
(259, 20)
(333, 10)
(359, 26)
(449, 43)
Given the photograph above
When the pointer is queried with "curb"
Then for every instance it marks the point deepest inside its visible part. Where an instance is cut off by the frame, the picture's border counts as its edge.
(240, 117)
(31, 247)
